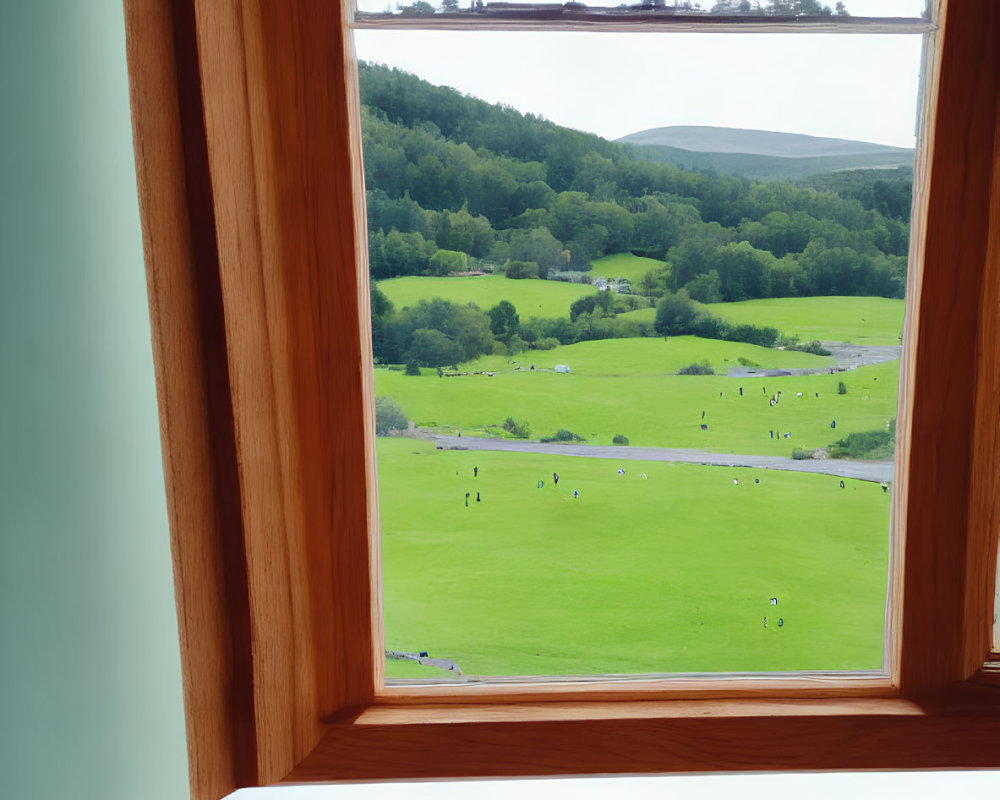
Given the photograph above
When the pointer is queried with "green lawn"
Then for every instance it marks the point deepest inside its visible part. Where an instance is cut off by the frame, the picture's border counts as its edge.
(647, 356)
(640, 315)
(664, 574)
(861, 320)
(625, 386)
(624, 265)
(531, 298)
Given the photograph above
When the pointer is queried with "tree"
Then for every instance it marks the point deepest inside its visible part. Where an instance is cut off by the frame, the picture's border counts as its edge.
(431, 348)
(744, 271)
(674, 314)
(583, 305)
(382, 311)
(519, 270)
(445, 262)
(504, 320)
(705, 288)
(389, 416)
(418, 9)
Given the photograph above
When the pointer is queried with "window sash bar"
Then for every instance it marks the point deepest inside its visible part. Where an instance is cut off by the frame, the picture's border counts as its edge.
(550, 17)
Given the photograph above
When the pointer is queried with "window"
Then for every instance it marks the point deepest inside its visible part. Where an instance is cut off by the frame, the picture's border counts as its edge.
(253, 235)
(533, 581)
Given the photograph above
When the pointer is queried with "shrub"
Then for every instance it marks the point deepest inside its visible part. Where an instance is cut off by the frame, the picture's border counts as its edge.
(869, 445)
(746, 362)
(563, 435)
(389, 416)
(518, 429)
(519, 270)
(814, 347)
(792, 343)
(412, 368)
(547, 343)
(619, 439)
(704, 368)
(841, 388)
(753, 334)
(708, 326)
(801, 454)
(516, 345)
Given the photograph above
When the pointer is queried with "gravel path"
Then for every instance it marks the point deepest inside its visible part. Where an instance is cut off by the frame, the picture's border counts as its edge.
(876, 471)
(845, 356)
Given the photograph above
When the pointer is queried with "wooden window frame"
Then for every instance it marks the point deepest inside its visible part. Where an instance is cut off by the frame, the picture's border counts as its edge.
(246, 132)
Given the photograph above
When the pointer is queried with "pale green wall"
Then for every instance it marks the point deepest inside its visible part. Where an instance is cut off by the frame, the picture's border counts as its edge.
(90, 697)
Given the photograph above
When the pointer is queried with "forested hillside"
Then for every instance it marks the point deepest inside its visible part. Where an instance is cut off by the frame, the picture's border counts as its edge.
(454, 182)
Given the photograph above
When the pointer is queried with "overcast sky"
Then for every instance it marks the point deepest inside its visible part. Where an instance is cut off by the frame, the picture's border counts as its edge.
(851, 87)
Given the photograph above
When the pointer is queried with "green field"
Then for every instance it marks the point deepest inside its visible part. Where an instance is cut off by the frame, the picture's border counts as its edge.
(531, 298)
(640, 315)
(861, 320)
(625, 386)
(624, 265)
(670, 573)
(647, 356)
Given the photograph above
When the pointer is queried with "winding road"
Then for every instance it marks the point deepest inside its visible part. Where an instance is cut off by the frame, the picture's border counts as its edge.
(845, 355)
(876, 471)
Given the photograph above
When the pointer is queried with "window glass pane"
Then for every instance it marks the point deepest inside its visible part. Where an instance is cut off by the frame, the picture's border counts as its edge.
(639, 395)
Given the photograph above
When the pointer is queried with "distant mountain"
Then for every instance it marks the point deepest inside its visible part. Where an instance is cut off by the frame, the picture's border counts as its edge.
(760, 154)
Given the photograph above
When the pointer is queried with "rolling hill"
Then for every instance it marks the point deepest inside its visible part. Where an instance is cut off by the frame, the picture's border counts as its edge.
(760, 154)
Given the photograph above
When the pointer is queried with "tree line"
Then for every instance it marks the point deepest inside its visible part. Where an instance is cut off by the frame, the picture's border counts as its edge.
(447, 172)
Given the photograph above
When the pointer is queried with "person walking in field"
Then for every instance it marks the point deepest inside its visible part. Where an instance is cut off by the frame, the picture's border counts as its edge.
(467, 499)
(475, 472)
(576, 494)
(555, 478)
(477, 497)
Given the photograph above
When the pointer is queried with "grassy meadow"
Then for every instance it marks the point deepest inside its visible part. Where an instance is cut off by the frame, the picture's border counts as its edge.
(668, 573)
(611, 392)
(861, 320)
(532, 298)
(623, 265)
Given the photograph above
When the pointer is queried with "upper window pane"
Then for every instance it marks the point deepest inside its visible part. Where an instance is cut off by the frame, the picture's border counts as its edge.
(641, 323)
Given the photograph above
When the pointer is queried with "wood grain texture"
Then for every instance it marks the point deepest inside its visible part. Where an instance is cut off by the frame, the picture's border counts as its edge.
(285, 181)
(984, 497)
(707, 687)
(889, 734)
(927, 100)
(193, 393)
(247, 148)
(941, 378)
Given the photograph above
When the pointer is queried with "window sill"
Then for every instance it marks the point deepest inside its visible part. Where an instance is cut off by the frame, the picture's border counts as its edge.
(954, 729)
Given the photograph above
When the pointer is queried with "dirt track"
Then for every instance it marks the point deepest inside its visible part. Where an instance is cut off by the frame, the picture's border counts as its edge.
(876, 471)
